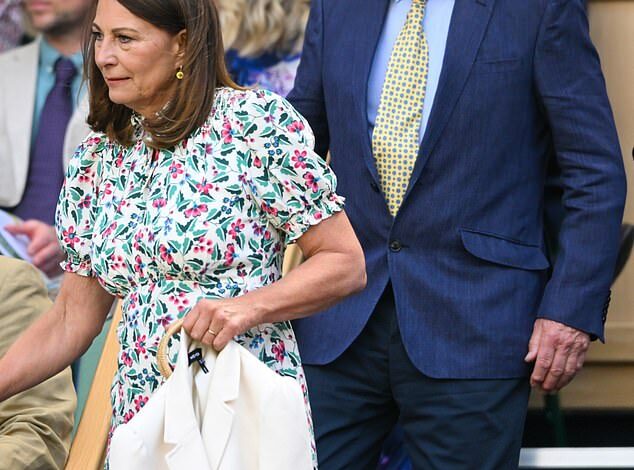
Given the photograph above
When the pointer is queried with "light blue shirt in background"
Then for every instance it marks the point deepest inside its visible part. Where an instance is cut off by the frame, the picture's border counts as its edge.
(46, 80)
(436, 27)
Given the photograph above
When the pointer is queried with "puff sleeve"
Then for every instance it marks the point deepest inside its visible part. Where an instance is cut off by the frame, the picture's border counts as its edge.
(77, 205)
(292, 185)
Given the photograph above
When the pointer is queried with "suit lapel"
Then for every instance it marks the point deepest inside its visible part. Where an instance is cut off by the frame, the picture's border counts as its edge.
(219, 415)
(370, 25)
(181, 423)
(20, 101)
(468, 24)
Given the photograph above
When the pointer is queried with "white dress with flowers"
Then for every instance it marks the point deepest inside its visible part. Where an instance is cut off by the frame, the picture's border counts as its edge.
(208, 218)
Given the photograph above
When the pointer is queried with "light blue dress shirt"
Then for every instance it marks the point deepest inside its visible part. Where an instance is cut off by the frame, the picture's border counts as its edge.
(46, 80)
(436, 27)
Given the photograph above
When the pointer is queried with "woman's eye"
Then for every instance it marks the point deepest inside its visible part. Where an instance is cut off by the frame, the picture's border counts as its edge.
(124, 39)
(97, 36)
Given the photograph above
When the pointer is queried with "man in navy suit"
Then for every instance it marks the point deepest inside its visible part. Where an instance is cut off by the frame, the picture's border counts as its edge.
(461, 305)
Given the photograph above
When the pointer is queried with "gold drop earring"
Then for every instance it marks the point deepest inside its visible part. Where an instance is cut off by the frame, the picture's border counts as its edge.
(179, 73)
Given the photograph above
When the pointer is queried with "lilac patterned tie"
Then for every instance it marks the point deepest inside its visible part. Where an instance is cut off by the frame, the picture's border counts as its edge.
(46, 167)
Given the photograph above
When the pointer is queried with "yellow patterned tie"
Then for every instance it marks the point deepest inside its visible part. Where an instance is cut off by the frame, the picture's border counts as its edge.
(395, 137)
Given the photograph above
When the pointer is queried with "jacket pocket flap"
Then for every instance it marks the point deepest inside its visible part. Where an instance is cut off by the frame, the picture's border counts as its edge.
(502, 251)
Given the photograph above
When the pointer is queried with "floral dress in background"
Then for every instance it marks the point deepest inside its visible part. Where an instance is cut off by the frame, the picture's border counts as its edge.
(208, 218)
(269, 71)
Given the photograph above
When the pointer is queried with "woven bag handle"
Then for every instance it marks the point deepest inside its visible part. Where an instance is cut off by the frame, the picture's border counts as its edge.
(161, 354)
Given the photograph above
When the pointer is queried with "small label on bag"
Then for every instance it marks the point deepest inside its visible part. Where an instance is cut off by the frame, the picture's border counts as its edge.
(196, 355)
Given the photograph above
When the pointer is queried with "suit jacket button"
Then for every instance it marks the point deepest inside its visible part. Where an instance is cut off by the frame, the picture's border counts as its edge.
(395, 246)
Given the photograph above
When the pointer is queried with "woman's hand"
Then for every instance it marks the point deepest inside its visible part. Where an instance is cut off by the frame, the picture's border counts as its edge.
(216, 322)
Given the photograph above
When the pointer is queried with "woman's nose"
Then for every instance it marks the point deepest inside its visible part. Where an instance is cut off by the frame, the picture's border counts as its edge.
(104, 53)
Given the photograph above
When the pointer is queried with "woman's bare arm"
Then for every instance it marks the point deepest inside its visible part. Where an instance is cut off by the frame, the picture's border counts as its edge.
(334, 268)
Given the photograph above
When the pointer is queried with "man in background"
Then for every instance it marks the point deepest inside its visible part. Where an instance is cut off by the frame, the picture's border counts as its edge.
(35, 425)
(441, 117)
(42, 120)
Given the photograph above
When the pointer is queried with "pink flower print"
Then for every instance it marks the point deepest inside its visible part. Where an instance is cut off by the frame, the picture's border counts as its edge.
(85, 202)
(299, 159)
(111, 228)
(175, 169)
(119, 160)
(295, 126)
(165, 321)
(279, 350)
(268, 118)
(230, 254)
(160, 202)
(257, 162)
(227, 132)
(311, 181)
(127, 360)
(137, 238)
(204, 187)
(140, 401)
(257, 229)
(204, 245)
(267, 209)
(179, 300)
(70, 237)
(236, 228)
(107, 190)
(139, 345)
(138, 264)
(267, 235)
(128, 416)
(116, 261)
(86, 177)
(241, 271)
(164, 252)
(195, 210)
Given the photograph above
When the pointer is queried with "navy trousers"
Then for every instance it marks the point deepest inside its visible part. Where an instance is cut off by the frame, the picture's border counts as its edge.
(448, 424)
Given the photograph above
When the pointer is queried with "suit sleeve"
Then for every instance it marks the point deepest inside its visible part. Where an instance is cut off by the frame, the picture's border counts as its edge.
(35, 425)
(307, 96)
(572, 91)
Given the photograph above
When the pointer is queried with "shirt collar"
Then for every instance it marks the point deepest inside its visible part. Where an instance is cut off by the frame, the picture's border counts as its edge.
(49, 55)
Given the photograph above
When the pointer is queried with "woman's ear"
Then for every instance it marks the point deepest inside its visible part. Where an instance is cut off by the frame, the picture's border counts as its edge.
(181, 44)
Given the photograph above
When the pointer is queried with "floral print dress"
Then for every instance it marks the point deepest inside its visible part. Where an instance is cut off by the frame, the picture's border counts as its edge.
(208, 218)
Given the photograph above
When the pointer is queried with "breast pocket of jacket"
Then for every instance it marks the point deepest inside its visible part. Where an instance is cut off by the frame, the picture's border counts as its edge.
(503, 251)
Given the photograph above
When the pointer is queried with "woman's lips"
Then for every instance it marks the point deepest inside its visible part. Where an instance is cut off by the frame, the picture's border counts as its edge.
(114, 81)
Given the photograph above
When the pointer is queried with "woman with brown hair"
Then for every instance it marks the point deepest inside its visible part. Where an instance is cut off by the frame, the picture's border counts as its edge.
(180, 203)
(263, 39)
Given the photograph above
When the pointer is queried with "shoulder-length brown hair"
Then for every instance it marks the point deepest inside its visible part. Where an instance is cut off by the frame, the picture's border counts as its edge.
(203, 66)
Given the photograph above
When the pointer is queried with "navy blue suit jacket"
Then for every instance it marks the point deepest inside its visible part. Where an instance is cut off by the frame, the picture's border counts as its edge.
(521, 83)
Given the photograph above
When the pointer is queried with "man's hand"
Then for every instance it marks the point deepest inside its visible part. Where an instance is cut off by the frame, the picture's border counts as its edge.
(43, 248)
(558, 351)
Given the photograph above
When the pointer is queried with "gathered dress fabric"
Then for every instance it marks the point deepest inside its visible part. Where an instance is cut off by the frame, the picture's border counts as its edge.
(207, 218)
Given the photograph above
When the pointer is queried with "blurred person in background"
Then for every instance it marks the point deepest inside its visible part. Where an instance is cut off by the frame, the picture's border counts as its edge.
(11, 25)
(42, 120)
(263, 39)
(35, 425)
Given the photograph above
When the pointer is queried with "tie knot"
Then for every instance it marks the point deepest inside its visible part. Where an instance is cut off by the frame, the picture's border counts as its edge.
(65, 71)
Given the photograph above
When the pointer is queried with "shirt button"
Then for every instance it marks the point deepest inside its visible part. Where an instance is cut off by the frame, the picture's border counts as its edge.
(395, 246)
